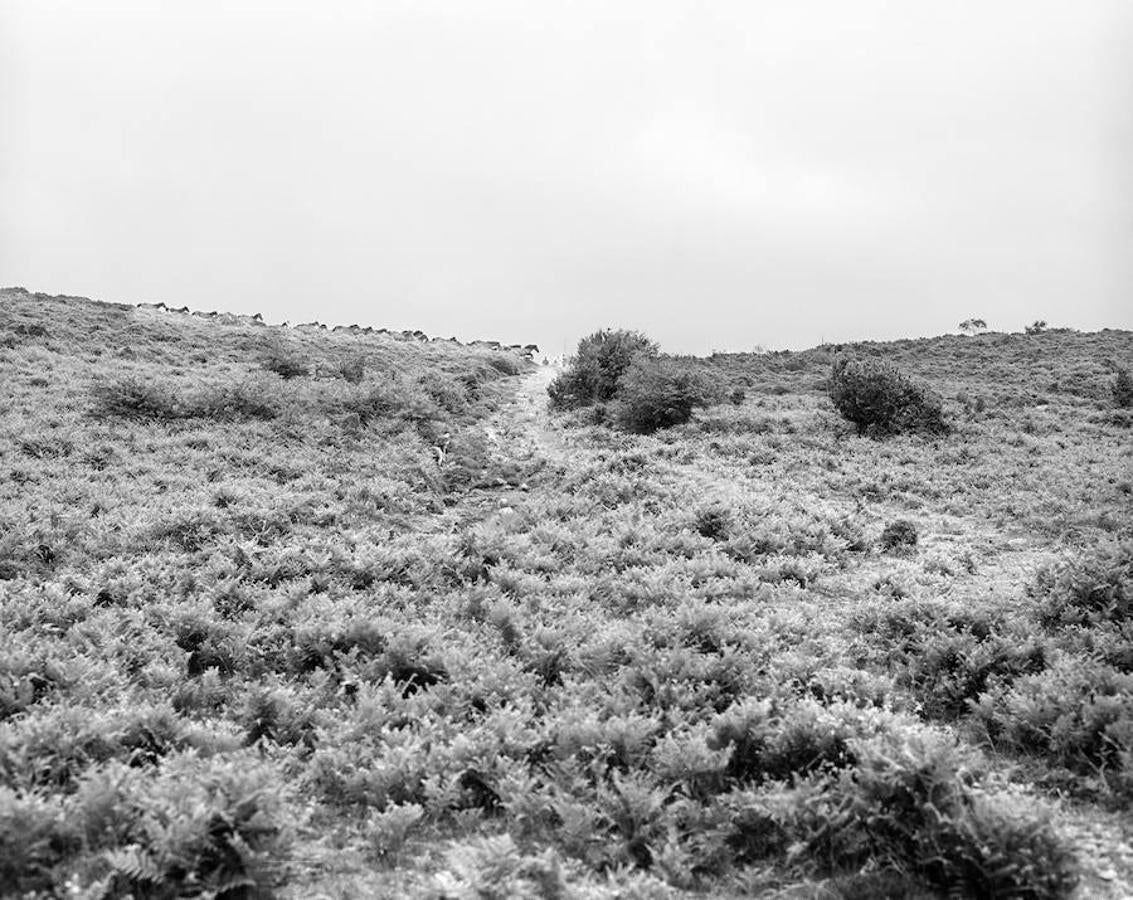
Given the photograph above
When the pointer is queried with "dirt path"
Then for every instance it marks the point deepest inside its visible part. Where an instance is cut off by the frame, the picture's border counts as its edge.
(523, 429)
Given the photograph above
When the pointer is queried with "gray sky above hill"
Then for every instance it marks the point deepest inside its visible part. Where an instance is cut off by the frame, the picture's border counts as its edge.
(718, 174)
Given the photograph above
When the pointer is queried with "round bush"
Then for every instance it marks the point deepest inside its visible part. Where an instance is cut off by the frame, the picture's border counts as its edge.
(654, 395)
(899, 535)
(596, 370)
(880, 399)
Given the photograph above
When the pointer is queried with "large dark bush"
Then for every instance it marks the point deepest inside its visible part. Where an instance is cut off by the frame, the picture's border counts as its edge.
(596, 370)
(621, 368)
(655, 394)
(880, 399)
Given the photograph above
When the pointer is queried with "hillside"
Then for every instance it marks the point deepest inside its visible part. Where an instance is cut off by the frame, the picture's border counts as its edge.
(352, 614)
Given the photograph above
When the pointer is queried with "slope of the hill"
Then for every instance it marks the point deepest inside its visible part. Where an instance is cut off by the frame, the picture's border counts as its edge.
(389, 628)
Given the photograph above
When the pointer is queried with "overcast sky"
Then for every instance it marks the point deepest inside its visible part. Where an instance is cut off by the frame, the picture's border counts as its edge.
(719, 174)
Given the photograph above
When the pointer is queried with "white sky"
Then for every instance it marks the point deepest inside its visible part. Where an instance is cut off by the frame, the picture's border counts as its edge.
(719, 174)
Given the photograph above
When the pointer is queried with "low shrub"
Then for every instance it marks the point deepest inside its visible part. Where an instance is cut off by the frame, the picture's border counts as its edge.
(134, 398)
(972, 405)
(387, 830)
(210, 643)
(880, 399)
(391, 402)
(950, 670)
(34, 838)
(714, 522)
(447, 392)
(54, 749)
(769, 740)
(1094, 590)
(319, 645)
(284, 363)
(910, 802)
(653, 394)
(505, 364)
(232, 402)
(1077, 714)
(352, 369)
(900, 534)
(25, 679)
(1123, 389)
(205, 828)
(496, 867)
(905, 806)
(948, 655)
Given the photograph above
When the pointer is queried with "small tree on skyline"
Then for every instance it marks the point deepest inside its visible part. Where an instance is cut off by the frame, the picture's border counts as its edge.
(971, 326)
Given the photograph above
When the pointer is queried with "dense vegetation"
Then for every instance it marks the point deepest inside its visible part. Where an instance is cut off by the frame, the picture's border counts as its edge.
(348, 615)
(880, 399)
(594, 374)
(617, 376)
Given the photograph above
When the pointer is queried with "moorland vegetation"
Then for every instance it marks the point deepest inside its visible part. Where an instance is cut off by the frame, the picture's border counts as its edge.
(309, 613)
(617, 376)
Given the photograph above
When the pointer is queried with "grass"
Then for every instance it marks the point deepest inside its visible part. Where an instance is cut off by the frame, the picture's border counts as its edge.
(321, 612)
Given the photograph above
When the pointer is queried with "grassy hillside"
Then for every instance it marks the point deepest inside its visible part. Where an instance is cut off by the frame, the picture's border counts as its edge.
(344, 614)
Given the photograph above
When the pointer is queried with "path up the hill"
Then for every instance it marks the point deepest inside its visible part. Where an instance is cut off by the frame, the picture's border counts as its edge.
(523, 429)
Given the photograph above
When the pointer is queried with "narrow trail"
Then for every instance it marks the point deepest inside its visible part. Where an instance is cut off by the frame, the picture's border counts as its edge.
(521, 440)
(523, 428)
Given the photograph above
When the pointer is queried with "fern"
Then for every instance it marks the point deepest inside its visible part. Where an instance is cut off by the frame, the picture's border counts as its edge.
(135, 864)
